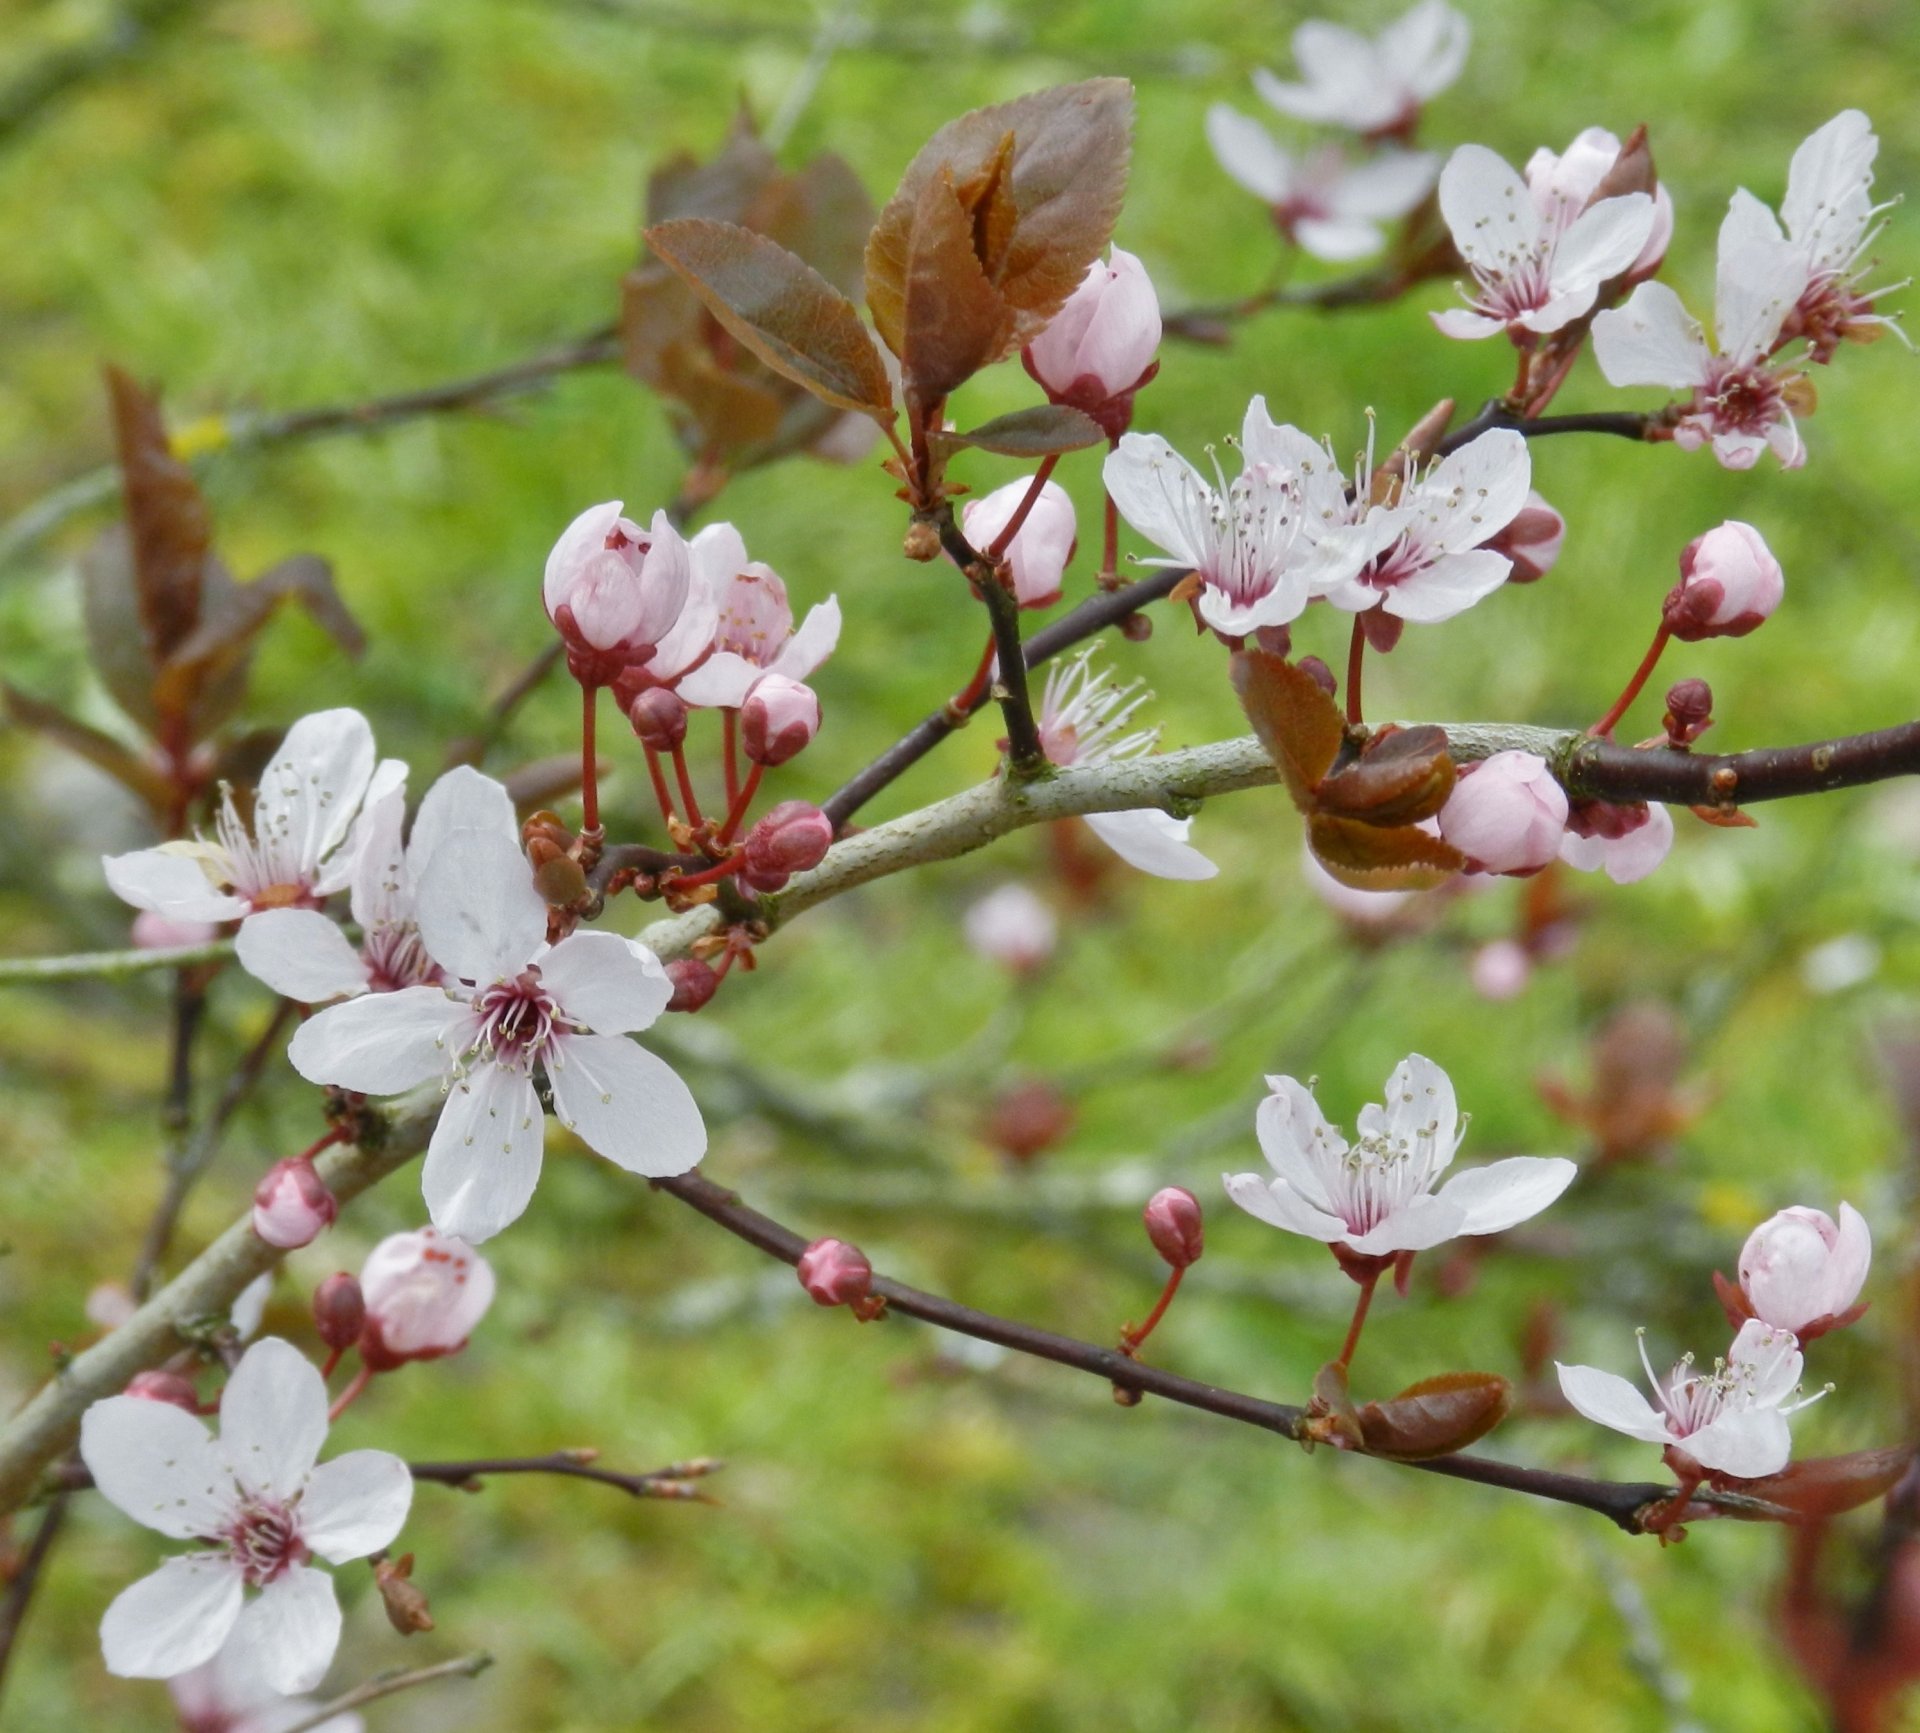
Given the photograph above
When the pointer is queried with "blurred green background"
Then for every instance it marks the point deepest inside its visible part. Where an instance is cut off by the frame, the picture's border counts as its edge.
(275, 204)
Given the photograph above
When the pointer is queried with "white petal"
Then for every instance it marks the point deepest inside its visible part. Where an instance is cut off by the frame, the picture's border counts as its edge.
(1426, 46)
(289, 1635)
(1466, 326)
(628, 1105)
(812, 643)
(311, 789)
(158, 1464)
(1450, 586)
(1496, 1197)
(1278, 1204)
(381, 1043)
(1299, 1144)
(1488, 209)
(721, 682)
(1758, 276)
(1338, 240)
(1632, 857)
(1154, 842)
(250, 1306)
(1473, 493)
(1246, 150)
(1772, 1357)
(1829, 200)
(171, 884)
(1420, 1108)
(1852, 1253)
(484, 1159)
(480, 917)
(1387, 187)
(1604, 240)
(1747, 1443)
(174, 1620)
(1420, 1224)
(1160, 494)
(611, 985)
(463, 799)
(1652, 340)
(379, 884)
(355, 1504)
(273, 1418)
(1609, 1400)
(301, 954)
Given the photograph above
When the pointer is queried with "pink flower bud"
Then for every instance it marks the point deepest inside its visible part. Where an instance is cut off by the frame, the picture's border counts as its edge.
(614, 590)
(659, 718)
(694, 983)
(1506, 814)
(155, 932)
(1628, 841)
(1042, 546)
(778, 720)
(1729, 583)
(1500, 970)
(837, 1274)
(425, 1292)
(761, 880)
(1689, 711)
(1531, 541)
(1173, 1223)
(291, 1204)
(164, 1387)
(1798, 1269)
(792, 838)
(1014, 928)
(1101, 343)
(339, 1311)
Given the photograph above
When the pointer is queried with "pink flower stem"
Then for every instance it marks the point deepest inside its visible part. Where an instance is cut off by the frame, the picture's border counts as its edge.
(659, 785)
(688, 801)
(1641, 675)
(333, 1363)
(730, 730)
(1135, 1334)
(710, 875)
(339, 1134)
(1004, 539)
(1367, 1284)
(970, 697)
(589, 769)
(1109, 577)
(1356, 654)
(742, 799)
(347, 1397)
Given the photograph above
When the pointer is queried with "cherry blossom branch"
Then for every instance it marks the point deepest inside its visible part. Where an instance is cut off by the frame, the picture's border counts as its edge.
(1026, 757)
(387, 1684)
(675, 1481)
(108, 965)
(1498, 412)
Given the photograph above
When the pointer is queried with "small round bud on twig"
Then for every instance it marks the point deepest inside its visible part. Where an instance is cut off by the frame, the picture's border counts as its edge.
(837, 1274)
(922, 541)
(659, 718)
(793, 838)
(291, 1205)
(1689, 711)
(1174, 1225)
(339, 1311)
(694, 983)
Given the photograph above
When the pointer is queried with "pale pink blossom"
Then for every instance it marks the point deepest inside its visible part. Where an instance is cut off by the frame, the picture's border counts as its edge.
(153, 932)
(1627, 841)
(1730, 1421)
(1729, 584)
(1532, 541)
(1563, 187)
(1371, 85)
(1041, 548)
(1375, 1196)
(1083, 720)
(614, 590)
(425, 1293)
(778, 719)
(792, 837)
(1506, 814)
(298, 846)
(1013, 927)
(1175, 1226)
(509, 1003)
(1325, 204)
(303, 954)
(227, 1695)
(752, 631)
(1799, 1268)
(262, 1509)
(1101, 344)
(1500, 970)
(291, 1205)
(1532, 273)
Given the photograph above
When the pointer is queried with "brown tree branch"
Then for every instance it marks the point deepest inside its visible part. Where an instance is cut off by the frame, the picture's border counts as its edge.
(19, 1596)
(675, 1481)
(387, 1684)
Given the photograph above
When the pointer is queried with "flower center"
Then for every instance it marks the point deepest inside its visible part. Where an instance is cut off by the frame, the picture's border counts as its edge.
(1742, 397)
(265, 1541)
(518, 1021)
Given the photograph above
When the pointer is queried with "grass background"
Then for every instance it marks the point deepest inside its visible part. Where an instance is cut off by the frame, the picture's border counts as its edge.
(279, 204)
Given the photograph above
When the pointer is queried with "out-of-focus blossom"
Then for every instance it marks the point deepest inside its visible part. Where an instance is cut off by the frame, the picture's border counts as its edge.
(1507, 814)
(1729, 584)
(1082, 721)
(1371, 85)
(1041, 548)
(753, 632)
(1730, 1421)
(1802, 1271)
(1625, 841)
(778, 719)
(614, 590)
(1533, 273)
(1375, 1196)
(1500, 970)
(510, 1002)
(257, 1497)
(1099, 348)
(154, 932)
(1013, 927)
(425, 1293)
(1326, 205)
(227, 1695)
(1841, 962)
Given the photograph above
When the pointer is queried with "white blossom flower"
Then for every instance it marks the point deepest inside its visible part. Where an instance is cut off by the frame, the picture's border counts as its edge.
(1082, 721)
(299, 846)
(509, 1003)
(256, 1497)
(1563, 185)
(1328, 206)
(425, 1293)
(1012, 927)
(753, 631)
(1731, 1420)
(1100, 345)
(1371, 85)
(304, 955)
(227, 1695)
(1626, 842)
(1376, 1196)
(1533, 271)
(1800, 1268)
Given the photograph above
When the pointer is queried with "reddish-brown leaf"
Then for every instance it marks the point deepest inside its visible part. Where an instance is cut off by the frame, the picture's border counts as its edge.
(1332, 1416)
(1437, 1416)
(722, 187)
(1041, 431)
(1370, 858)
(822, 213)
(166, 517)
(956, 322)
(780, 308)
(125, 766)
(1296, 721)
(1828, 1485)
(1401, 776)
(116, 640)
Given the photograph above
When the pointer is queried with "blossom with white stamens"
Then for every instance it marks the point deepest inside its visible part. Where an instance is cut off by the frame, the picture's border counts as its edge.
(1083, 721)
(297, 847)
(752, 631)
(1371, 85)
(1730, 1421)
(1326, 205)
(263, 1509)
(1375, 1196)
(510, 1004)
(1533, 273)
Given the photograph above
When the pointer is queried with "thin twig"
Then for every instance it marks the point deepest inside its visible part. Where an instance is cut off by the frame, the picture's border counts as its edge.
(675, 1481)
(1025, 754)
(387, 1684)
(13, 1609)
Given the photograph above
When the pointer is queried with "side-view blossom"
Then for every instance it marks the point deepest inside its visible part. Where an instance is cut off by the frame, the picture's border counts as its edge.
(296, 848)
(1730, 583)
(1564, 185)
(778, 719)
(753, 631)
(303, 954)
(1532, 272)
(1371, 85)
(262, 1509)
(614, 590)
(1531, 541)
(1801, 1271)
(1507, 814)
(227, 1695)
(1626, 841)
(1082, 718)
(1042, 547)
(1099, 349)
(1012, 927)
(1730, 1421)
(509, 1003)
(425, 1294)
(1323, 203)
(1375, 1196)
